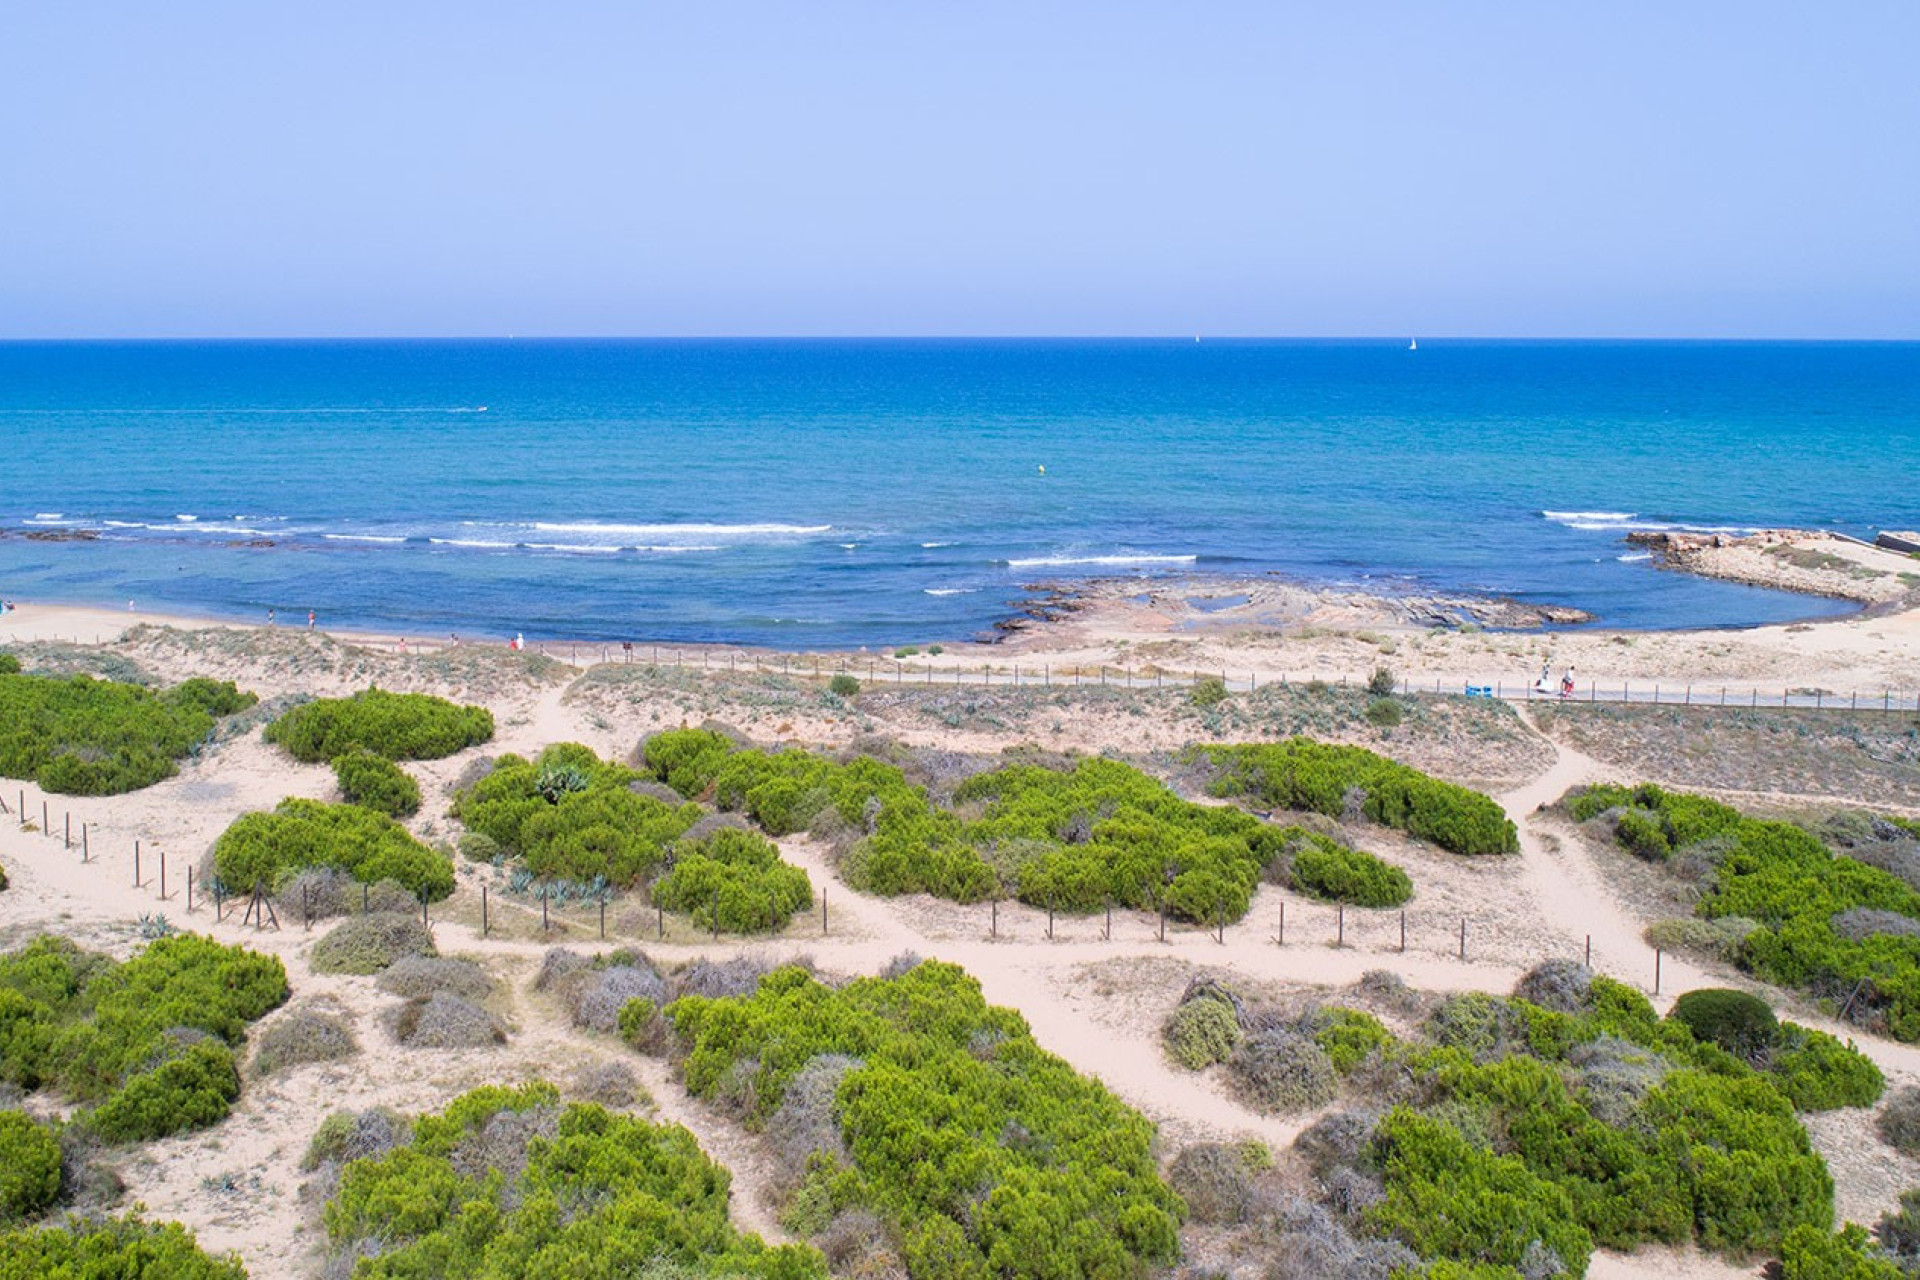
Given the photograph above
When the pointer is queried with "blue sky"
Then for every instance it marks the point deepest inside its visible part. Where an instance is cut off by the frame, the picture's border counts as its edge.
(721, 167)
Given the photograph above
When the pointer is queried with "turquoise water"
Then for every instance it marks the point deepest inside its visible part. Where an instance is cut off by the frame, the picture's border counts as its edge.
(814, 493)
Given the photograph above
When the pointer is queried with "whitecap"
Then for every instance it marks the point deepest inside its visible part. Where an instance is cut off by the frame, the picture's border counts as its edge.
(1634, 557)
(186, 519)
(360, 537)
(668, 530)
(1565, 516)
(931, 545)
(949, 591)
(1049, 562)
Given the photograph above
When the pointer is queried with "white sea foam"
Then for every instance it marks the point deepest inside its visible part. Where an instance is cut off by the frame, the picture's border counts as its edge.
(49, 515)
(1631, 522)
(1050, 562)
(575, 548)
(668, 530)
(187, 519)
(931, 545)
(360, 537)
(949, 591)
(1634, 557)
(1564, 517)
(472, 542)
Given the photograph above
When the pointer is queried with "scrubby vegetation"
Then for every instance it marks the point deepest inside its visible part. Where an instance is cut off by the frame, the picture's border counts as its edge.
(266, 850)
(570, 815)
(29, 1167)
(1314, 777)
(1808, 918)
(908, 1101)
(377, 783)
(370, 943)
(396, 726)
(1519, 1135)
(149, 1042)
(81, 736)
(110, 1249)
(301, 1036)
(508, 1182)
(733, 880)
(1321, 867)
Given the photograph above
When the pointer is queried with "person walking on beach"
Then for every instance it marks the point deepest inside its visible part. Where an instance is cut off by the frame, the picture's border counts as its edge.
(269, 617)
(1566, 684)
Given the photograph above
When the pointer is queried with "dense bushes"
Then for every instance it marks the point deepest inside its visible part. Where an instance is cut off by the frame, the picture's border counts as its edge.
(688, 760)
(733, 880)
(570, 815)
(265, 850)
(109, 1250)
(507, 1182)
(150, 1041)
(81, 736)
(1323, 868)
(986, 1154)
(377, 783)
(1741, 1024)
(29, 1167)
(1315, 777)
(1823, 923)
(1205, 1029)
(398, 726)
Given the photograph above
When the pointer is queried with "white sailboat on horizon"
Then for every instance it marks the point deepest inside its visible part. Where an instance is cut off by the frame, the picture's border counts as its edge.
(1413, 344)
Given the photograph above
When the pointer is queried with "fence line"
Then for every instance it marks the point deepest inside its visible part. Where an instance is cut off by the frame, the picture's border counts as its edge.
(882, 671)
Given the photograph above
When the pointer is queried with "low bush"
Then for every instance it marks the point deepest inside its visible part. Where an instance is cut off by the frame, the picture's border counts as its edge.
(1717, 939)
(1315, 777)
(733, 880)
(1819, 1073)
(1741, 1024)
(1382, 683)
(418, 976)
(443, 1021)
(1384, 713)
(984, 1153)
(1347, 1036)
(1899, 1121)
(109, 1249)
(80, 736)
(508, 1182)
(1280, 1069)
(149, 1040)
(370, 943)
(377, 783)
(688, 760)
(1217, 1182)
(843, 686)
(1812, 1253)
(1201, 1032)
(1323, 868)
(570, 815)
(1208, 693)
(29, 1167)
(398, 726)
(302, 1036)
(266, 850)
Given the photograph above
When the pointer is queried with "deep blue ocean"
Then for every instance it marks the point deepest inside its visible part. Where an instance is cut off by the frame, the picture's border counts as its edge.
(829, 493)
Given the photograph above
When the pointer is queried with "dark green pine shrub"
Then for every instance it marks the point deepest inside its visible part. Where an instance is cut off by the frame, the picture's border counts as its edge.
(266, 850)
(1741, 1024)
(9, 665)
(377, 783)
(1324, 868)
(508, 1182)
(399, 726)
(1315, 777)
(1817, 1072)
(688, 760)
(29, 1167)
(570, 815)
(111, 1249)
(151, 1041)
(984, 1154)
(733, 880)
(80, 736)
(1812, 1253)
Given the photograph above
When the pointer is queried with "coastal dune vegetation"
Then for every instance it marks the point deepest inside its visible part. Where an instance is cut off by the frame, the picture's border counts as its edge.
(1074, 836)
(77, 735)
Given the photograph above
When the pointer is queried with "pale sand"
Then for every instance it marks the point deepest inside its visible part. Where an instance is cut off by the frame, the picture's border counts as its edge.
(1096, 1002)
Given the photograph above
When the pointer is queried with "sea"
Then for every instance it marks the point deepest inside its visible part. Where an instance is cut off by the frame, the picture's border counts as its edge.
(842, 493)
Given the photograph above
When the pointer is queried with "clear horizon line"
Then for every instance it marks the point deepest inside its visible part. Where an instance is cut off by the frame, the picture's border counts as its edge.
(1181, 337)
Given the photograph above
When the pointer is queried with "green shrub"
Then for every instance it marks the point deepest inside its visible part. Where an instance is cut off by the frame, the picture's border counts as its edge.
(9, 665)
(1643, 835)
(1208, 693)
(570, 815)
(734, 880)
(688, 760)
(376, 783)
(1315, 777)
(1683, 819)
(1381, 683)
(1328, 870)
(29, 1167)
(191, 1091)
(1347, 1036)
(80, 736)
(1741, 1024)
(265, 850)
(507, 1182)
(1202, 1032)
(399, 726)
(1384, 713)
(370, 943)
(986, 1154)
(843, 686)
(217, 698)
(112, 1249)
(150, 1039)
(1813, 1253)
(1817, 1072)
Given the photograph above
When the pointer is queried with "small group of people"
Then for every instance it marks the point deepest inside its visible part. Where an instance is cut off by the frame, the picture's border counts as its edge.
(273, 617)
(1544, 685)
